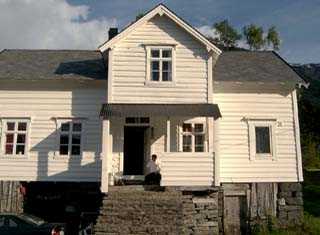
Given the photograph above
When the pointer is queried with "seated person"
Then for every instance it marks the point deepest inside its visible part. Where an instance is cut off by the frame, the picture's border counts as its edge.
(153, 177)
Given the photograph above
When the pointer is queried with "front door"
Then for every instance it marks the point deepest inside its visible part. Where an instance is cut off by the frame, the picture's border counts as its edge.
(133, 150)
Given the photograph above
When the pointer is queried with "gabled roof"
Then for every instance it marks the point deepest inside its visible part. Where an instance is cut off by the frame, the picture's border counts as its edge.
(254, 66)
(161, 10)
(52, 64)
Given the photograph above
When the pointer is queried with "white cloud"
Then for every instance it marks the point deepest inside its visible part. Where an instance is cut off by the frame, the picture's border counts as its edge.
(208, 31)
(50, 24)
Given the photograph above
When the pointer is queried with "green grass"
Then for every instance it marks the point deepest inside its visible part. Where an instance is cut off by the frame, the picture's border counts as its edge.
(310, 226)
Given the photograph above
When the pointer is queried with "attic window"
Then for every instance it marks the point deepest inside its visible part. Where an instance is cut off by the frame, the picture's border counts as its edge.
(160, 64)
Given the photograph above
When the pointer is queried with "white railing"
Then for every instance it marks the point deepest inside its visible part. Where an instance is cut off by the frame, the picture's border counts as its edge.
(187, 169)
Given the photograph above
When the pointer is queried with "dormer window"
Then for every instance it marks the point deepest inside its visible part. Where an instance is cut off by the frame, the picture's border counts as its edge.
(160, 64)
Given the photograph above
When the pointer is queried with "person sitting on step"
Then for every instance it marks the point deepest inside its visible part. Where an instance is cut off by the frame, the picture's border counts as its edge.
(153, 177)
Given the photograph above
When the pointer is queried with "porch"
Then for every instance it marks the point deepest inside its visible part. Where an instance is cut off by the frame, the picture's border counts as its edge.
(182, 136)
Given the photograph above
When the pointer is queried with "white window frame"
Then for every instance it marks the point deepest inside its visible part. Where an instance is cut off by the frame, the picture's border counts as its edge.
(59, 122)
(149, 81)
(4, 122)
(192, 133)
(271, 124)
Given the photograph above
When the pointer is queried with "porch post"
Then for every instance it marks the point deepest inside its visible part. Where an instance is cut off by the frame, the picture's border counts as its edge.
(168, 136)
(105, 154)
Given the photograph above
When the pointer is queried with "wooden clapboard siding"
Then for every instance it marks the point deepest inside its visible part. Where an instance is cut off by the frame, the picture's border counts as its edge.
(129, 66)
(42, 106)
(233, 142)
(187, 169)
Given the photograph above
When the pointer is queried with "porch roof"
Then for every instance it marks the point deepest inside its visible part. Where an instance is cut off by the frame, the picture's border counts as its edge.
(135, 110)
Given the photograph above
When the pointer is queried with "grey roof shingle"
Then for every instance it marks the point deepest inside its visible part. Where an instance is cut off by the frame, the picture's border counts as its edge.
(239, 66)
(52, 64)
(249, 66)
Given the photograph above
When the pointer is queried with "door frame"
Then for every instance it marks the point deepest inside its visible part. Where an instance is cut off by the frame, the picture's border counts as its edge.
(138, 125)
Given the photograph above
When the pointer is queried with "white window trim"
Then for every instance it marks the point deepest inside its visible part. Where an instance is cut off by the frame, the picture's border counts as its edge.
(252, 139)
(60, 121)
(193, 136)
(160, 83)
(27, 143)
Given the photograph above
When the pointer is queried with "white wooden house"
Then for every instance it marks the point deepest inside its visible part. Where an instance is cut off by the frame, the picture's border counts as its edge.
(158, 87)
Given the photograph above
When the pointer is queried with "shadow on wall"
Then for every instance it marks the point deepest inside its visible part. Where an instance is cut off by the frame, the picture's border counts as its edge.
(85, 106)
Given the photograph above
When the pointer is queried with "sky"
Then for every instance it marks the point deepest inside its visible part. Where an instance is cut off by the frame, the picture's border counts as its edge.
(83, 24)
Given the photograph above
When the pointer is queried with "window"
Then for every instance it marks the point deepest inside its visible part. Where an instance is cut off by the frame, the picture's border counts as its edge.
(15, 135)
(70, 138)
(193, 137)
(262, 139)
(137, 120)
(160, 64)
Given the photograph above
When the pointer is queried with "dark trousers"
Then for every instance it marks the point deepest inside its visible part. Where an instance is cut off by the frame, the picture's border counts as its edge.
(152, 178)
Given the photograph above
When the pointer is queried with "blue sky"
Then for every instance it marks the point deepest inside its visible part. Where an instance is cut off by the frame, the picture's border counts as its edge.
(83, 24)
(297, 21)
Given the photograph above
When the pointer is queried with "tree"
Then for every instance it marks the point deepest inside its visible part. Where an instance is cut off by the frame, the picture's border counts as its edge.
(140, 15)
(228, 36)
(254, 36)
(273, 38)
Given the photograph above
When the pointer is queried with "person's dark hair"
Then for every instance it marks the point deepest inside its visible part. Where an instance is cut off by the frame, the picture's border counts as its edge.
(153, 156)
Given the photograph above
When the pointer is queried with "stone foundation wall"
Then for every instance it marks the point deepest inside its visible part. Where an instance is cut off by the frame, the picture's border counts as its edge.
(290, 204)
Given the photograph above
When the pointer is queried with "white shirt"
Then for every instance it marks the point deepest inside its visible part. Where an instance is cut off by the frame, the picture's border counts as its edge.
(152, 166)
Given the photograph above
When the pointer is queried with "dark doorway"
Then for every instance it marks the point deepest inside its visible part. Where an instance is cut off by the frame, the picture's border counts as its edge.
(133, 150)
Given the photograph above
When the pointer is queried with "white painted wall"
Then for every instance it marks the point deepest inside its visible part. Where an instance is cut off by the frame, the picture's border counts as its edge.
(41, 101)
(233, 143)
(129, 66)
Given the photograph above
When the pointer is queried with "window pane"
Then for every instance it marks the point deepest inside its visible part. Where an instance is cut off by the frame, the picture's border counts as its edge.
(9, 149)
(166, 76)
(10, 126)
(20, 149)
(166, 65)
(144, 120)
(166, 53)
(155, 53)
(63, 149)
(198, 128)
(199, 143)
(130, 120)
(155, 76)
(65, 126)
(155, 65)
(22, 126)
(77, 127)
(263, 140)
(21, 138)
(9, 138)
(64, 139)
(186, 143)
(187, 127)
(1, 222)
(75, 150)
(76, 139)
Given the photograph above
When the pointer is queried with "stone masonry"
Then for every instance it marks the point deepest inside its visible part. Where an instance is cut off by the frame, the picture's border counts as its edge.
(290, 204)
(135, 210)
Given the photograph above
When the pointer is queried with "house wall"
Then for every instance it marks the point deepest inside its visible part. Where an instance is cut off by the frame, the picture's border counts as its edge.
(42, 102)
(232, 138)
(129, 66)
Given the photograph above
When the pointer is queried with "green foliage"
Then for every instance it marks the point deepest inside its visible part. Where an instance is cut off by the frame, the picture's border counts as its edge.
(254, 36)
(310, 226)
(140, 15)
(228, 35)
(273, 38)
